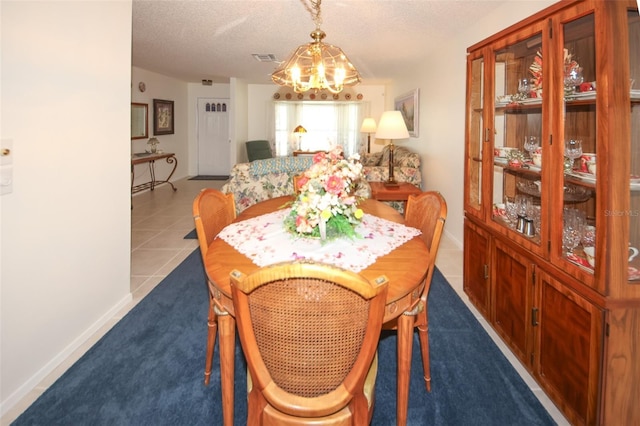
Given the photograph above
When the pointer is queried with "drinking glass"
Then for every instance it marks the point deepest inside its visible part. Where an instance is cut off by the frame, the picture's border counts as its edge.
(574, 221)
(572, 79)
(522, 202)
(531, 144)
(510, 209)
(524, 88)
(573, 150)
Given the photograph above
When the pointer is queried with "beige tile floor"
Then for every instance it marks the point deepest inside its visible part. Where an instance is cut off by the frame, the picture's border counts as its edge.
(159, 221)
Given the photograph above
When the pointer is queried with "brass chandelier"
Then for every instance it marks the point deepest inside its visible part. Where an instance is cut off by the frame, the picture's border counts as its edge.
(316, 65)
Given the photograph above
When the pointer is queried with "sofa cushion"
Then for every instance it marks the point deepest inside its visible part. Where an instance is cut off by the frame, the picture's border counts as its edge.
(280, 165)
(372, 159)
(402, 157)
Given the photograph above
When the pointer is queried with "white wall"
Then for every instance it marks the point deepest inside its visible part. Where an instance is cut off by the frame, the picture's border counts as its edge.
(442, 83)
(240, 120)
(65, 229)
(159, 86)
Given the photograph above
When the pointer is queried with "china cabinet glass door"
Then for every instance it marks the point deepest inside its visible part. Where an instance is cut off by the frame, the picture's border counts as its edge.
(475, 136)
(579, 88)
(519, 139)
(634, 158)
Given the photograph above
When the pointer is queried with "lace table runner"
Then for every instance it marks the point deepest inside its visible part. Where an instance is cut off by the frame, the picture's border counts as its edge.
(265, 241)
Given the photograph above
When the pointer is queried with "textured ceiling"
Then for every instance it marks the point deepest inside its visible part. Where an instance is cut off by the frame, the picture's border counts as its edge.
(215, 39)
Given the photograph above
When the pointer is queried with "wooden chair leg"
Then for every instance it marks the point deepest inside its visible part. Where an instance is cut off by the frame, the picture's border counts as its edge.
(227, 328)
(403, 375)
(423, 334)
(211, 342)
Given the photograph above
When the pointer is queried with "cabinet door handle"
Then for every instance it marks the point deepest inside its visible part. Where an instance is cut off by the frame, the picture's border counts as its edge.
(534, 317)
(487, 132)
(486, 272)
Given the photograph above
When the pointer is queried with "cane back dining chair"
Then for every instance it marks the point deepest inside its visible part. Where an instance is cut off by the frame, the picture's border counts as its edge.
(212, 211)
(427, 212)
(310, 333)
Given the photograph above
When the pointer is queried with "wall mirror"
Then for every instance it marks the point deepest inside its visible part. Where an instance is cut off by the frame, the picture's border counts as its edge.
(139, 121)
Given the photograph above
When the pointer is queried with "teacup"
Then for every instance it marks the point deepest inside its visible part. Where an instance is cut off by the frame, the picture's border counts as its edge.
(585, 159)
(537, 159)
(591, 255)
(634, 252)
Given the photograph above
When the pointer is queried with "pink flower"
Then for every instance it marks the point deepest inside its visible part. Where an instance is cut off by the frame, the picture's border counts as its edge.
(302, 181)
(319, 157)
(334, 185)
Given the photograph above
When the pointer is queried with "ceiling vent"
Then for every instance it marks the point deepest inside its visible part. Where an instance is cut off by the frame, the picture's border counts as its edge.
(264, 57)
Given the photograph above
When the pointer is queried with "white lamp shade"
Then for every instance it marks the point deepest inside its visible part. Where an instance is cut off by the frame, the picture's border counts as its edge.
(392, 126)
(368, 125)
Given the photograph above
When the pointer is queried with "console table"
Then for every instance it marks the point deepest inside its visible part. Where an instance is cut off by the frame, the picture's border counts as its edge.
(141, 158)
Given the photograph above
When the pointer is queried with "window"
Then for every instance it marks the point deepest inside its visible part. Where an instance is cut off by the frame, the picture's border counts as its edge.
(328, 124)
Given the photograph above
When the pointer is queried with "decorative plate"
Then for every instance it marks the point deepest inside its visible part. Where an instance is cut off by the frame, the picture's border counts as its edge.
(587, 177)
(276, 96)
(582, 95)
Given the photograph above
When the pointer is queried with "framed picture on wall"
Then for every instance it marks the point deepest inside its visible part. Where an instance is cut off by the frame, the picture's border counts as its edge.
(162, 117)
(408, 104)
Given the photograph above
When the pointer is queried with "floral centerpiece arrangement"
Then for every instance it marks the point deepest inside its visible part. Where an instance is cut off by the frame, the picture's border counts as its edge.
(326, 206)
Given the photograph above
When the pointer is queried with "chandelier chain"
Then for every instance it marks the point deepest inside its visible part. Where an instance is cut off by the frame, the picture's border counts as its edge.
(313, 7)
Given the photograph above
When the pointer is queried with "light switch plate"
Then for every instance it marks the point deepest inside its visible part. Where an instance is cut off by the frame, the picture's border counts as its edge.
(6, 179)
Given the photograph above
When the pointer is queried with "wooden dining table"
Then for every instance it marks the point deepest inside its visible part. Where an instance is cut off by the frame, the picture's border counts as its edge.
(405, 267)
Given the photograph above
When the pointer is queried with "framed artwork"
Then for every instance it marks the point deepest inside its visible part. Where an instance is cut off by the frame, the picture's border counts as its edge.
(162, 117)
(409, 104)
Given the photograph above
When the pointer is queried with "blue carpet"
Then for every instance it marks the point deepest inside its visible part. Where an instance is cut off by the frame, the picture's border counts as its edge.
(191, 235)
(148, 369)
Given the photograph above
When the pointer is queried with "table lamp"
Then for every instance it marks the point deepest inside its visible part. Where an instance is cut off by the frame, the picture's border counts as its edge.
(391, 126)
(298, 131)
(368, 127)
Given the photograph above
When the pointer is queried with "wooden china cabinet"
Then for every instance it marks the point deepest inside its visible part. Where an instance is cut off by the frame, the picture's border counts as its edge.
(552, 201)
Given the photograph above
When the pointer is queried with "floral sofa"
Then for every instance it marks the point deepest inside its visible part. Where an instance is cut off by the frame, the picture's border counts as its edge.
(260, 180)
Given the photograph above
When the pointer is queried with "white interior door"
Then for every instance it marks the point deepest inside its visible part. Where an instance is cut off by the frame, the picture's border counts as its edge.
(213, 137)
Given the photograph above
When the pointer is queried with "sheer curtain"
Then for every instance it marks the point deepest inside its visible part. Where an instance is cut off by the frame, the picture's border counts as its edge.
(328, 124)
